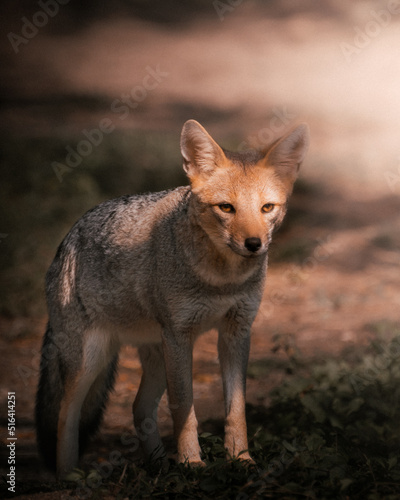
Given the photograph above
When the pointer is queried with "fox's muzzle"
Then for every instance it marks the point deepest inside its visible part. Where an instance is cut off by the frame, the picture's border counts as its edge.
(253, 244)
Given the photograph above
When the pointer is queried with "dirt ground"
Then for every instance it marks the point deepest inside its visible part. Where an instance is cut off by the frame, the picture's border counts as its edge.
(227, 74)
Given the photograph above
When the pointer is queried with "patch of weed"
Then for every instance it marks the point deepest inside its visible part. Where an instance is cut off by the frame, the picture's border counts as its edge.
(330, 434)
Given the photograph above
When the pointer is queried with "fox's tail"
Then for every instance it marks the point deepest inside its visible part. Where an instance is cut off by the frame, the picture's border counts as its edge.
(53, 375)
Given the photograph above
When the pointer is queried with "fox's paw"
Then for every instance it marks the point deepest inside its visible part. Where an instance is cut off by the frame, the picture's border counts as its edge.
(196, 463)
(244, 457)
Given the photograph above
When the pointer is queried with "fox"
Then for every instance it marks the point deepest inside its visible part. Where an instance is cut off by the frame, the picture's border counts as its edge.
(156, 271)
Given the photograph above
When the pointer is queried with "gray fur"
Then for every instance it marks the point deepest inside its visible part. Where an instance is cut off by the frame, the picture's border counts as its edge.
(145, 270)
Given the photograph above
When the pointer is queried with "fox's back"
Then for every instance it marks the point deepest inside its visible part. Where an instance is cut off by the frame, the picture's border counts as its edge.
(105, 264)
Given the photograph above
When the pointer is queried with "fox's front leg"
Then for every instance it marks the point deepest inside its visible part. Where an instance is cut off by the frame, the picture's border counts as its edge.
(233, 349)
(178, 365)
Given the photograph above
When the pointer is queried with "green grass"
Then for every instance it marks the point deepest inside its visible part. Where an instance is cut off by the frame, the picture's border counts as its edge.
(331, 432)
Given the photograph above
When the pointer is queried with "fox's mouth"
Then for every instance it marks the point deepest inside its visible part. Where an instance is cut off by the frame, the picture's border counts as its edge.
(248, 254)
(253, 255)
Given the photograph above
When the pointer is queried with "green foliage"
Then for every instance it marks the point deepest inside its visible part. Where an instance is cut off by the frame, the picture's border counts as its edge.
(331, 433)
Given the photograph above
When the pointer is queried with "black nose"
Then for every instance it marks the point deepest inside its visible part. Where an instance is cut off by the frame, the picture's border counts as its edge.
(252, 244)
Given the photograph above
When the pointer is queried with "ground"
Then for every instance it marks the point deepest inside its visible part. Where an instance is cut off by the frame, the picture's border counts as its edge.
(334, 265)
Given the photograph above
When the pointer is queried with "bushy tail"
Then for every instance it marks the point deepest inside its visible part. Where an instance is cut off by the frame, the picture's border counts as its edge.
(48, 398)
(54, 372)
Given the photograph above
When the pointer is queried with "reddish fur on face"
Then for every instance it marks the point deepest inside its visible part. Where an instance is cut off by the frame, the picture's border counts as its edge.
(247, 190)
(246, 181)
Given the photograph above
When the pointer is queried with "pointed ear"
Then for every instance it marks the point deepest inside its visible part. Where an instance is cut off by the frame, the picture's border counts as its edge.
(288, 152)
(201, 154)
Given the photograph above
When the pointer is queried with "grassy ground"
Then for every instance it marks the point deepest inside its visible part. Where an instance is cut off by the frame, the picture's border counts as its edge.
(330, 432)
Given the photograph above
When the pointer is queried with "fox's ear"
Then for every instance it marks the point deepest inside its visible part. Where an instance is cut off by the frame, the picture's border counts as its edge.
(289, 151)
(201, 154)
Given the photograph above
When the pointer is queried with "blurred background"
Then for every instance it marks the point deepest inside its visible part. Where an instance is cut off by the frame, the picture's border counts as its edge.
(93, 97)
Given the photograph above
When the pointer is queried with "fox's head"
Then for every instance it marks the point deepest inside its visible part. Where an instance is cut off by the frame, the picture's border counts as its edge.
(241, 198)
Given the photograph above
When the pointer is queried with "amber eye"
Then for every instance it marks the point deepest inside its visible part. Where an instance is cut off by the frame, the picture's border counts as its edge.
(226, 207)
(268, 207)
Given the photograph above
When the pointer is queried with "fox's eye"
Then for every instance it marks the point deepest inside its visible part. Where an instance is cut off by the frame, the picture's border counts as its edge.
(226, 207)
(268, 207)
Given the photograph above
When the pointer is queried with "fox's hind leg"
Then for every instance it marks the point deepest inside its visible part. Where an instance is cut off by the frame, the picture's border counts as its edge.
(84, 397)
(152, 387)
